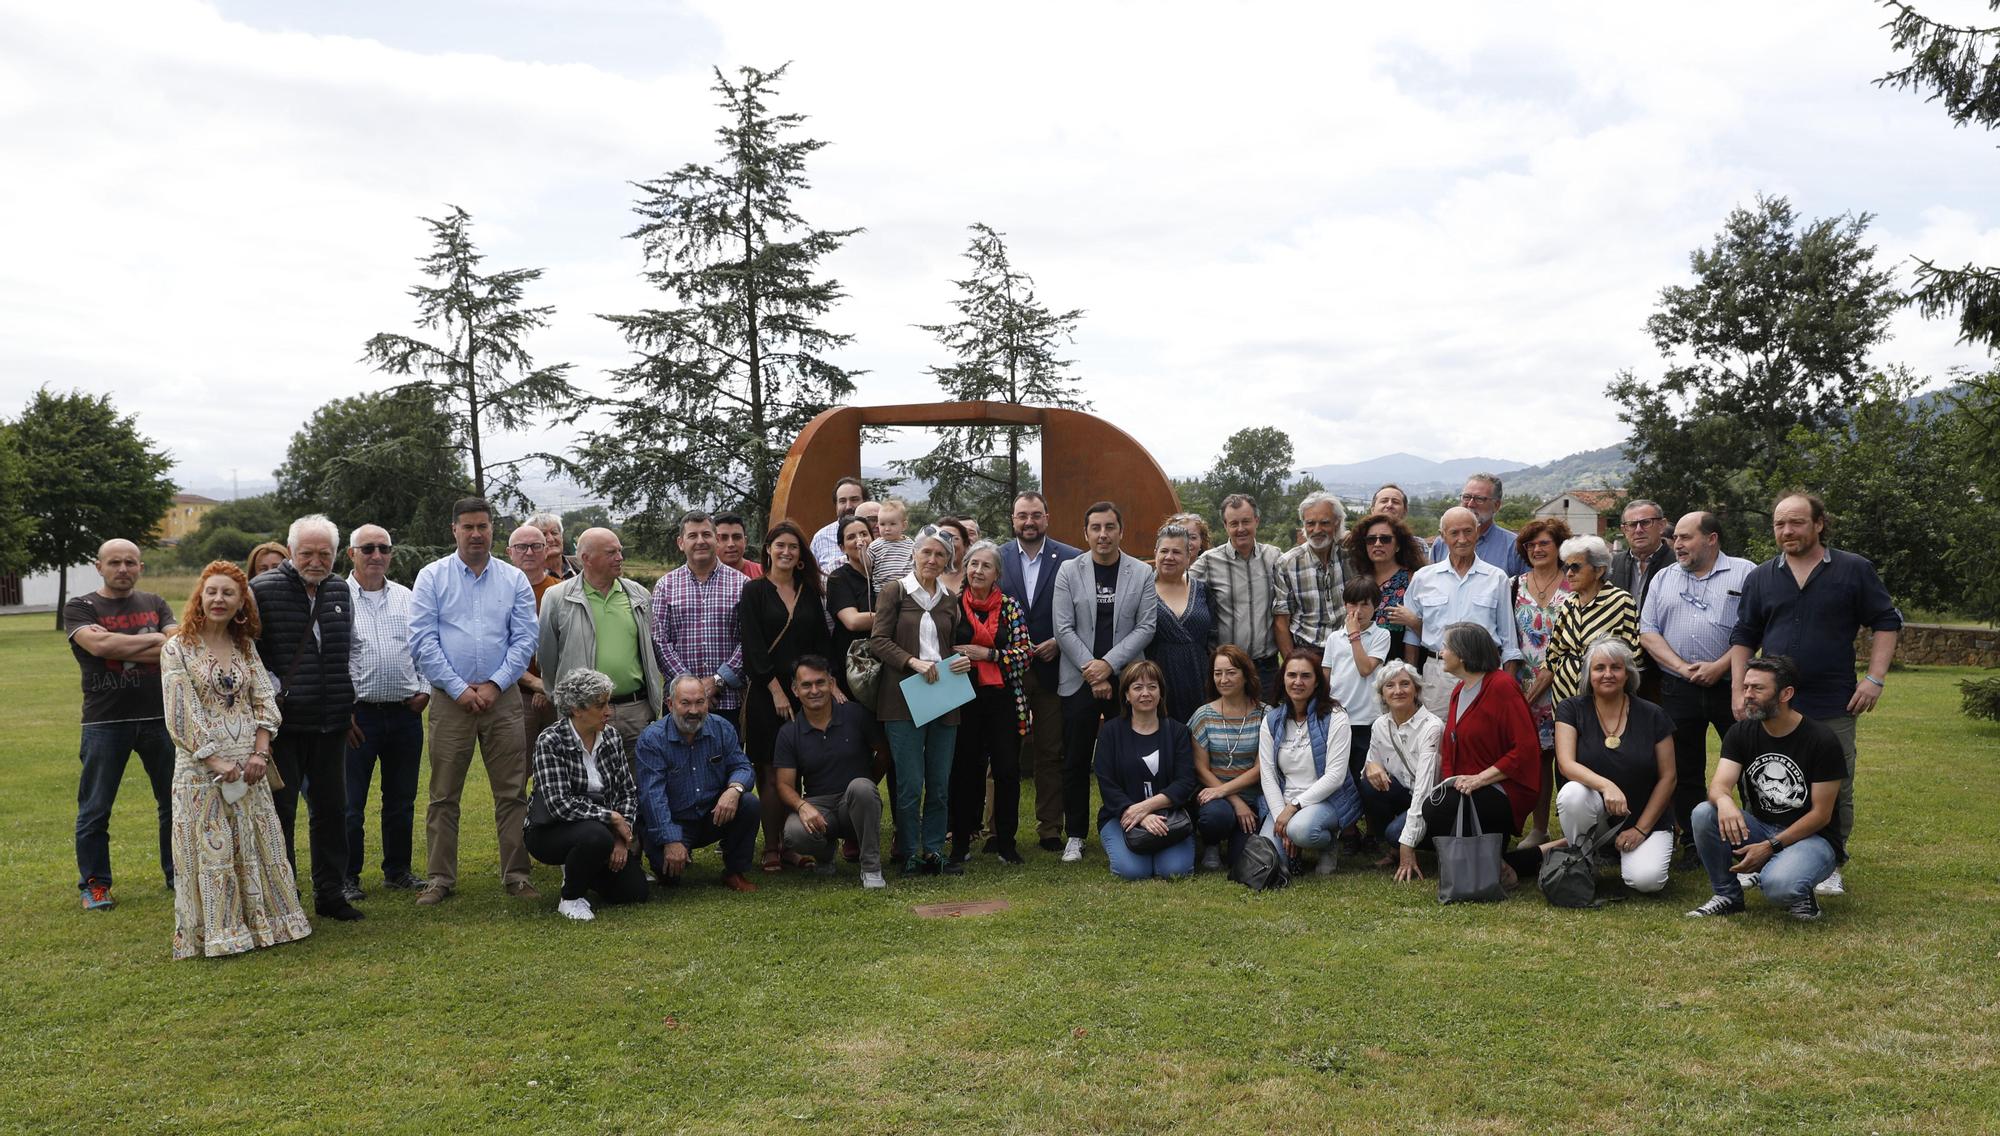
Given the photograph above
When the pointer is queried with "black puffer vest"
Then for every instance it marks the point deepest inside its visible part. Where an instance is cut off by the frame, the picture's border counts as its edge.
(319, 697)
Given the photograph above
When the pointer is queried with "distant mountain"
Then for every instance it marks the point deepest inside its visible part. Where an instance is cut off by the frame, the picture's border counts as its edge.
(1607, 468)
(1419, 476)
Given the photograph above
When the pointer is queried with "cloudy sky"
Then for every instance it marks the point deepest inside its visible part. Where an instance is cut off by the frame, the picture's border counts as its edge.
(1383, 231)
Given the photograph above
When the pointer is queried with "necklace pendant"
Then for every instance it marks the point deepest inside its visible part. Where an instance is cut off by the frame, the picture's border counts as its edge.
(1611, 741)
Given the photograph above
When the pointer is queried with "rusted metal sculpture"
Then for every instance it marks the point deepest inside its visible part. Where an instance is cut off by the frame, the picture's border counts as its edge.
(1084, 460)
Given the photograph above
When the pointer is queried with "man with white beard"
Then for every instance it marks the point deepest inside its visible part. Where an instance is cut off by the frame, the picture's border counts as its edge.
(1307, 600)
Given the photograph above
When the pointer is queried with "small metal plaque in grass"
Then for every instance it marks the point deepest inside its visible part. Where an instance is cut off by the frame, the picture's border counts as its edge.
(954, 910)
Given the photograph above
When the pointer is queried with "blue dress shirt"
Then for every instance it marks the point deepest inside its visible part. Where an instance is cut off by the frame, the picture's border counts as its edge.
(466, 629)
(1484, 595)
(1495, 547)
(681, 777)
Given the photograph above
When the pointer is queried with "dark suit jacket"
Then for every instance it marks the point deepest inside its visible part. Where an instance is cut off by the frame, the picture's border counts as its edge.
(1625, 574)
(1040, 607)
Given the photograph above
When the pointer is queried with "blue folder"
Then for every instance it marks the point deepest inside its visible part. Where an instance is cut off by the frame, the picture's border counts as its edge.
(929, 701)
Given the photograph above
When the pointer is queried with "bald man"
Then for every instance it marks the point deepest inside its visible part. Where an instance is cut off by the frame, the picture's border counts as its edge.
(1460, 588)
(528, 550)
(601, 620)
(115, 633)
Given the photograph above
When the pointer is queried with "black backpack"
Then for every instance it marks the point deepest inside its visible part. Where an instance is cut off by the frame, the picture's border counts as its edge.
(1569, 874)
(1260, 866)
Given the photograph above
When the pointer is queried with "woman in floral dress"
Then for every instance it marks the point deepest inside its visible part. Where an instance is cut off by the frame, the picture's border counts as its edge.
(234, 889)
(1538, 594)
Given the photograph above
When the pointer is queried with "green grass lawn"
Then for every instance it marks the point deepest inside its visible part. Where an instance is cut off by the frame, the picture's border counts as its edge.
(1345, 1005)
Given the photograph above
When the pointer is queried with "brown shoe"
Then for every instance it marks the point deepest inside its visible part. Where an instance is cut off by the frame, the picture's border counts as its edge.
(432, 895)
(734, 881)
(522, 889)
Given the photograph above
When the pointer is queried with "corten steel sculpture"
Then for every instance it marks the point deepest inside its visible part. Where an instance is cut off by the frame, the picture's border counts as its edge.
(1084, 460)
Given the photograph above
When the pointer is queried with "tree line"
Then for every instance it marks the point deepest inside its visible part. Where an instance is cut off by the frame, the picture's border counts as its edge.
(1768, 379)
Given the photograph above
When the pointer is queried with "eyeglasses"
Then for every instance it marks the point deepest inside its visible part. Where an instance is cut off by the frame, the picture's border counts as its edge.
(535, 547)
(374, 549)
(1641, 522)
(1381, 538)
(1572, 569)
(1699, 603)
(1474, 498)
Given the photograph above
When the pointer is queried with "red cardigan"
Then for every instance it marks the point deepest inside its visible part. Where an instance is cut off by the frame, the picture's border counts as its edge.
(1496, 729)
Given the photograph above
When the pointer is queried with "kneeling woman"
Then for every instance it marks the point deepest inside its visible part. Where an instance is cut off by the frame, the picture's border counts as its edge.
(1145, 774)
(1617, 750)
(1491, 752)
(1302, 749)
(585, 798)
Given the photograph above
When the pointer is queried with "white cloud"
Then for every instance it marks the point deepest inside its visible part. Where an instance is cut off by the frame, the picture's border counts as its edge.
(1438, 235)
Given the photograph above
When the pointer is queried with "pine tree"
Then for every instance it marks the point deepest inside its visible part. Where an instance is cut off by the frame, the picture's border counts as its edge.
(480, 375)
(1006, 343)
(735, 367)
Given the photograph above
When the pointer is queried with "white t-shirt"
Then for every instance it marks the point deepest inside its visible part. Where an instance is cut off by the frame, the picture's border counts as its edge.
(1354, 691)
(1295, 762)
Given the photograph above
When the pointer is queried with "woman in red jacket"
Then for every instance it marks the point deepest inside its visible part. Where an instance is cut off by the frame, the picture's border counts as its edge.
(1491, 752)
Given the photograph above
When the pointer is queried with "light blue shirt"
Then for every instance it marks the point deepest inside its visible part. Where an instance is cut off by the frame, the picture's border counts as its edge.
(1676, 601)
(1441, 597)
(467, 629)
(1495, 547)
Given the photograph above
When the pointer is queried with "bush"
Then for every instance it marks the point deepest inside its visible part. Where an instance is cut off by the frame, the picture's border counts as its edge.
(1981, 698)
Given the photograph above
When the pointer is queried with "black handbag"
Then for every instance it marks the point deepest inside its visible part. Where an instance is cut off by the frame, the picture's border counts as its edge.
(1569, 875)
(1142, 840)
(1260, 866)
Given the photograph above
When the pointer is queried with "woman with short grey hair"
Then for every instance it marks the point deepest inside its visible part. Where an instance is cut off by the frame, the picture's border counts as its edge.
(585, 799)
(1617, 750)
(1596, 608)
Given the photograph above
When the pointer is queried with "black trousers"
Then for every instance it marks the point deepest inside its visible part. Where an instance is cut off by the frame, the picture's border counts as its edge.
(583, 849)
(1694, 709)
(1495, 813)
(1082, 715)
(989, 736)
(316, 763)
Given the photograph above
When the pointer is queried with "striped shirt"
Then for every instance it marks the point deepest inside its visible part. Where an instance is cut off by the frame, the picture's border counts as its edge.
(694, 628)
(889, 560)
(379, 661)
(1231, 742)
(1242, 591)
(1580, 624)
(1309, 593)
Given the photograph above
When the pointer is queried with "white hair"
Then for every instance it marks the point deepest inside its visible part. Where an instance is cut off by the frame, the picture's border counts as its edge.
(544, 520)
(1613, 647)
(1320, 497)
(307, 524)
(1592, 548)
(1393, 667)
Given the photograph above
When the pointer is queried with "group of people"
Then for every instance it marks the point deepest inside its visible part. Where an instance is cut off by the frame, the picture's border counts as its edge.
(1358, 691)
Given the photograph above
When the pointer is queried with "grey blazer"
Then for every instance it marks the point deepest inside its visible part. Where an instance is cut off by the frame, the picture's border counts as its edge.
(1132, 616)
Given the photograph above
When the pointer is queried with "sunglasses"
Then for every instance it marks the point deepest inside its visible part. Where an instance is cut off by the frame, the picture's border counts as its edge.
(1572, 569)
(374, 549)
(1382, 538)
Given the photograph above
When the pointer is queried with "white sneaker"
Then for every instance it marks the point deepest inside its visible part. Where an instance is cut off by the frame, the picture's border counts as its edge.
(1328, 860)
(873, 880)
(577, 909)
(1212, 859)
(1831, 885)
(1073, 851)
(1746, 880)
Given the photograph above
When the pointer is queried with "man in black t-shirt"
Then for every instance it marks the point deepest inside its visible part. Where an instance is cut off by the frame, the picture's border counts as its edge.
(830, 747)
(1789, 769)
(116, 633)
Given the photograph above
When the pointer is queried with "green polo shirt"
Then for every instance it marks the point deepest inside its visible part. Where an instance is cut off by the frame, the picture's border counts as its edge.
(617, 639)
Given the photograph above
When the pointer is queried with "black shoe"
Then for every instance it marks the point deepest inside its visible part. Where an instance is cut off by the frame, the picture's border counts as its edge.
(343, 911)
(954, 867)
(403, 881)
(932, 865)
(350, 890)
(1050, 843)
(991, 846)
(911, 867)
(1008, 856)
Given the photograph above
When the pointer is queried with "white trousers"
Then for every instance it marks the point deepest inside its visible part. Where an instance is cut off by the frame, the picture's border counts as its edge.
(1644, 867)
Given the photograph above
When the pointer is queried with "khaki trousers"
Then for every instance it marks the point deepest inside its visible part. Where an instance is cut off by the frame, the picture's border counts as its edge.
(1042, 753)
(534, 721)
(499, 735)
(630, 719)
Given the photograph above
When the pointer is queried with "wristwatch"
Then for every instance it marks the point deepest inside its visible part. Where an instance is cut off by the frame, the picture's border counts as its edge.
(1776, 844)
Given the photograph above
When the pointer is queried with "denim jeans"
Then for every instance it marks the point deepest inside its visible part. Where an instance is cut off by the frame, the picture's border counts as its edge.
(738, 838)
(395, 736)
(1785, 878)
(1126, 864)
(103, 752)
(1215, 822)
(1314, 826)
(1386, 809)
(923, 756)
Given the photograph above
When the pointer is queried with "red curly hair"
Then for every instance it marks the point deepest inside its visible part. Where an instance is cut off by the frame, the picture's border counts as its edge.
(243, 629)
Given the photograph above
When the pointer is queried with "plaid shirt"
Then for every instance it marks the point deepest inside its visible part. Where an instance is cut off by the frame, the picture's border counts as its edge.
(680, 778)
(1241, 592)
(694, 628)
(563, 784)
(379, 660)
(1309, 593)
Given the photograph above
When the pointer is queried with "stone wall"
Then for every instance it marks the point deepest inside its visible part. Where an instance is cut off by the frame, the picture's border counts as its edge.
(1928, 644)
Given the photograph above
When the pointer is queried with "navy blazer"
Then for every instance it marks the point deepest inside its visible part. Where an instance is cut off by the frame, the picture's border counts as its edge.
(1040, 607)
